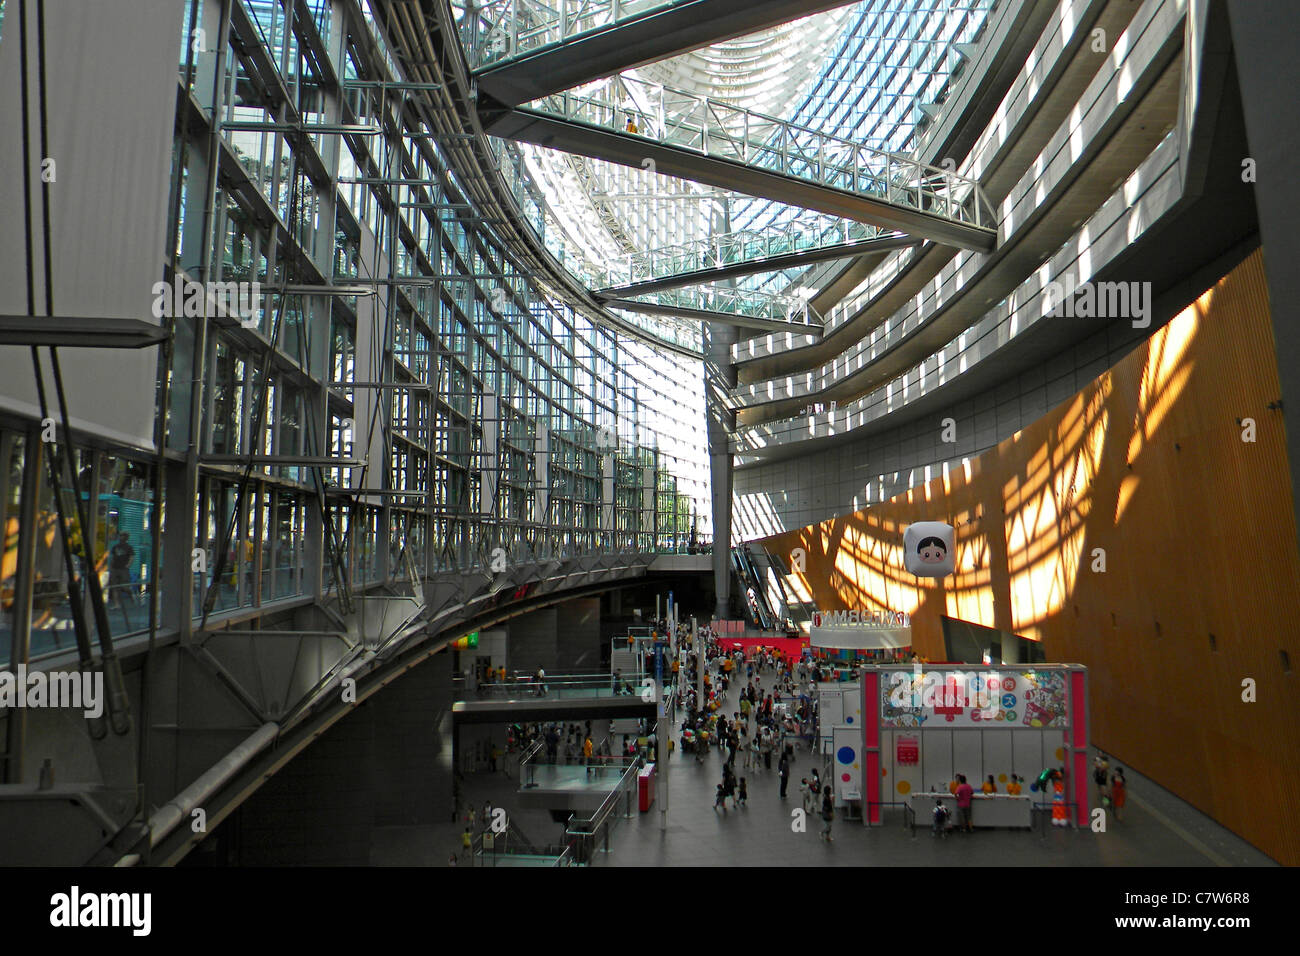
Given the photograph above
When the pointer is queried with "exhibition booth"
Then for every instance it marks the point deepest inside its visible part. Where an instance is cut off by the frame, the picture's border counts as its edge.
(920, 726)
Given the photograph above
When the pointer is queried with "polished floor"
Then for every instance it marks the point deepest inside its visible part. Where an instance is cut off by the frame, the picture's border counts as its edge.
(1158, 829)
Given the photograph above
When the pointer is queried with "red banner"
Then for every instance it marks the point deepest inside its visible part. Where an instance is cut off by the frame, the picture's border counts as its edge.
(791, 647)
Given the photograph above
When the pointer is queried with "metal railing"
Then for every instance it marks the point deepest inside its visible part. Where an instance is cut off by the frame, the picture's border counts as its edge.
(700, 124)
(753, 303)
(510, 847)
(593, 834)
(499, 30)
(810, 233)
(557, 687)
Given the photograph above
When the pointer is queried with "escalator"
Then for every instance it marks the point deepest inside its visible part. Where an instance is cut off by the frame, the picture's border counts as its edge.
(758, 611)
(792, 609)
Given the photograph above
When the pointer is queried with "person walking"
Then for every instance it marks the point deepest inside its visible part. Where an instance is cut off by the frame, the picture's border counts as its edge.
(587, 749)
(805, 796)
(743, 795)
(720, 799)
(784, 768)
(828, 813)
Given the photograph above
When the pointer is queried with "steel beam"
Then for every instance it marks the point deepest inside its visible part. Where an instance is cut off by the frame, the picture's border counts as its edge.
(635, 41)
(792, 260)
(703, 315)
(627, 149)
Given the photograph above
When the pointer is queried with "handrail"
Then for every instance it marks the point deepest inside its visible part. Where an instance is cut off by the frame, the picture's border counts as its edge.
(750, 303)
(498, 30)
(810, 232)
(701, 124)
(583, 834)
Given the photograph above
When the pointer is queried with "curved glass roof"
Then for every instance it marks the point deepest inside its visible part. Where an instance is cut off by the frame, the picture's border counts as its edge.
(874, 72)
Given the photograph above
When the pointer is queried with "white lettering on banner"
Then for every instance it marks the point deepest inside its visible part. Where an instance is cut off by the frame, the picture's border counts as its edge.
(857, 618)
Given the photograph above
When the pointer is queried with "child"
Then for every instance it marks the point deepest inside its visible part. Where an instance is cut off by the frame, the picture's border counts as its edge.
(805, 795)
(720, 800)
(465, 842)
(1118, 792)
(940, 819)
(744, 792)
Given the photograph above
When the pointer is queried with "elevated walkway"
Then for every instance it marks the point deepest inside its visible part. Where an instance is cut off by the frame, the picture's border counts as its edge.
(562, 697)
(765, 311)
(790, 245)
(520, 50)
(693, 137)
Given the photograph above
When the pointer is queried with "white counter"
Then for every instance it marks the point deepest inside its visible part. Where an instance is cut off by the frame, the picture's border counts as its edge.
(987, 810)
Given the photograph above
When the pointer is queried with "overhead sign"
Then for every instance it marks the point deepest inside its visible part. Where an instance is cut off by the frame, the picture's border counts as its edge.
(860, 630)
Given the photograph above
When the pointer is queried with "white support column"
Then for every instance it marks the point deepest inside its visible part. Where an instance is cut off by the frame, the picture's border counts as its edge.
(489, 458)
(607, 494)
(648, 522)
(542, 464)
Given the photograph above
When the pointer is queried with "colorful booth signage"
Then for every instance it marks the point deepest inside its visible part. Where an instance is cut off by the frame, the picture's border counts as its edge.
(1028, 698)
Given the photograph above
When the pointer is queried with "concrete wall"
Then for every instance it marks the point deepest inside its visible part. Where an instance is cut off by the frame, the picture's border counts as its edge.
(387, 763)
(532, 641)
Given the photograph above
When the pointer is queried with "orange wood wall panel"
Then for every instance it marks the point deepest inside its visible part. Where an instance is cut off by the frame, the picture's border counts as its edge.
(1199, 535)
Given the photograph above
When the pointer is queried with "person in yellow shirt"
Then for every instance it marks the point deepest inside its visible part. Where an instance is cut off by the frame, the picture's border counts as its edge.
(1013, 787)
(989, 786)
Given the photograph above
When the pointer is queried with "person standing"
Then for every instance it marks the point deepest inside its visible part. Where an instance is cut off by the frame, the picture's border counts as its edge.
(1100, 774)
(587, 750)
(119, 571)
(1118, 792)
(828, 813)
(989, 786)
(964, 794)
(784, 768)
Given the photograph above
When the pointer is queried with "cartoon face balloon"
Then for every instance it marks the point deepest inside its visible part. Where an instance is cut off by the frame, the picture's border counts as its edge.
(928, 549)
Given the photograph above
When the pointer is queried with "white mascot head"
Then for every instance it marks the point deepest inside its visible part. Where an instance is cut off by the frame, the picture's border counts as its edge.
(928, 549)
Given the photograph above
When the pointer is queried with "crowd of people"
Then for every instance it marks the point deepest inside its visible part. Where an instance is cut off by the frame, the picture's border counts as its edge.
(776, 713)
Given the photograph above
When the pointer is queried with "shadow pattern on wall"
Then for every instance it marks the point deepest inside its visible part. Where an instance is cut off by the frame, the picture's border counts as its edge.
(1143, 528)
